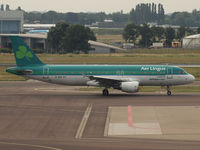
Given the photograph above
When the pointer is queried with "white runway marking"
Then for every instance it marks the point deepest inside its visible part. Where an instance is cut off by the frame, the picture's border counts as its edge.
(140, 121)
(160, 122)
(116, 129)
(83, 122)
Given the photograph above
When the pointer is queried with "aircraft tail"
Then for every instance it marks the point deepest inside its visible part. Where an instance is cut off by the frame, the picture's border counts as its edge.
(24, 56)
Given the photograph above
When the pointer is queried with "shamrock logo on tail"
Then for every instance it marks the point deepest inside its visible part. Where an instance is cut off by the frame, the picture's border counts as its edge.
(22, 52)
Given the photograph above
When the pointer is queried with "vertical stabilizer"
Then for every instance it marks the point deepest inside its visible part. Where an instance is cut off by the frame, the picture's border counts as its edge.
(24, 56)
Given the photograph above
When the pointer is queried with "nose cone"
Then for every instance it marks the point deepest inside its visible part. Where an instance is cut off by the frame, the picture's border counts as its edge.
(191, 78)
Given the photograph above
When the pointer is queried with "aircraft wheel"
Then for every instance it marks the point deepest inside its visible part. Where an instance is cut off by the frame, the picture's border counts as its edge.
(105, 92)
(169, 93)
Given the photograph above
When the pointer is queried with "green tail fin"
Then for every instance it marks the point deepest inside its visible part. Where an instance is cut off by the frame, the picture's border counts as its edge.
(23, 54)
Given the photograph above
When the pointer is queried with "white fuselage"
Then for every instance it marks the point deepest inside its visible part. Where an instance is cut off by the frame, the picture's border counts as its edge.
(144, 80)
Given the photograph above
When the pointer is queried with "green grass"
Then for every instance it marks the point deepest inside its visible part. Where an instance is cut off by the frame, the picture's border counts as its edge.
(110, 39)
(4, 76)
(108, 31)
(188, 52)
(194, 71)
(124, 58)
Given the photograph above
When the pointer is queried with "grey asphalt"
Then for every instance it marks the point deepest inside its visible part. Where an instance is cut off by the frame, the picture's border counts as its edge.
(32, 118)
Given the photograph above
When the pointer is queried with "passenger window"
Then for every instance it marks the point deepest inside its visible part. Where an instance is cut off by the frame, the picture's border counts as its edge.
(170, 71)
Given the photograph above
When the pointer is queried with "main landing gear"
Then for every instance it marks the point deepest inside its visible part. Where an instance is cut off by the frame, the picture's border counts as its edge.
(169, 93)
(105, 92)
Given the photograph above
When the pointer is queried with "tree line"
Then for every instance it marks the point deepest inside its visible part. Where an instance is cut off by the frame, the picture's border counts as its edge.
(144, 35)
(184, 19)
(143, 13)
(65, 38)
(52, 17)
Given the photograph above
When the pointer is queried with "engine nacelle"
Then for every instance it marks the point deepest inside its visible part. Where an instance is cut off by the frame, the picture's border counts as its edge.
(130, 87)
(93, 83)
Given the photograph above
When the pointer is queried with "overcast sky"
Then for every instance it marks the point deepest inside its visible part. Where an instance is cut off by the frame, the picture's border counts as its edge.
(99, 5)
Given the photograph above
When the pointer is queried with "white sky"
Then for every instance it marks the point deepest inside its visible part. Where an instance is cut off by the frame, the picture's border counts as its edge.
(107, 6)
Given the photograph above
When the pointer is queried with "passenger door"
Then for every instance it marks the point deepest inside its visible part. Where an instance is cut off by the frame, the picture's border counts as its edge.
(45, 73)
(169, 73)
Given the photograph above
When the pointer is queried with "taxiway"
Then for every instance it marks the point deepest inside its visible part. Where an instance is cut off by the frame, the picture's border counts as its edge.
(41, 116)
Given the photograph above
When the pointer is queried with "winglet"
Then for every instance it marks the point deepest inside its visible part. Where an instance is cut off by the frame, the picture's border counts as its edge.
(24, 56)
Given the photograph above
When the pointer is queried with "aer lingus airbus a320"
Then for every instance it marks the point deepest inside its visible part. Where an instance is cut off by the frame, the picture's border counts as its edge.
(127, 78)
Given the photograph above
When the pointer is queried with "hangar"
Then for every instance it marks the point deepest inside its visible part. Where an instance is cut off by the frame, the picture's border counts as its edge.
(192, 41)
(35, 41)
(39, 41)
(11, 21)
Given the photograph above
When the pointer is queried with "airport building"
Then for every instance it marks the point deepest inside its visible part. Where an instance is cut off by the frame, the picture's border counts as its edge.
(11, 21)
(35, 41)
(102, 48)
(39, 41)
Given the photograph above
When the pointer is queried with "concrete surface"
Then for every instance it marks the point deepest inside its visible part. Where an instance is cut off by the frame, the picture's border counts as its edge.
(161, 122)
(49, 120)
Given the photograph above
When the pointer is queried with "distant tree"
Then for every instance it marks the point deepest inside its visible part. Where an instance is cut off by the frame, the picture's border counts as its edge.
(132, 16)
(55, 36)
(119, 17)
(49, 17)
(184, 19)
(7, 7)
(146, 33)
(161, 14)
(158, 33)
(198, 30)
(72, 18)
(90, 34)
(189, 31)
(154, 12)
(169, 35)
(19, 8)
(181, 33)
(31, 17)
(2, 7)
(76, 39)
(130, 33)
(144, 13)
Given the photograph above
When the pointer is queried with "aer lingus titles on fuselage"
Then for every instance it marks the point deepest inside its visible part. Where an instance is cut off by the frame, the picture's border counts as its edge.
(126, 78)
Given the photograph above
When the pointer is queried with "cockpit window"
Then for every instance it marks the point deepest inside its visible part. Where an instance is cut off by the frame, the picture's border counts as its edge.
(182, 72)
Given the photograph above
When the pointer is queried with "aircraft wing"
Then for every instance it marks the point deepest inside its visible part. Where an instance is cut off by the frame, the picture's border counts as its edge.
(107, 81)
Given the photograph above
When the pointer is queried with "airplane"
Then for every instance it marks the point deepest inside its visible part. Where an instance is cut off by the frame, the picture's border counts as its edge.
(127, 78)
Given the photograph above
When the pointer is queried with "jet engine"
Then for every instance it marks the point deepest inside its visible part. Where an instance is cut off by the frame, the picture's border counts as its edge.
(130, 87)
(93, 83)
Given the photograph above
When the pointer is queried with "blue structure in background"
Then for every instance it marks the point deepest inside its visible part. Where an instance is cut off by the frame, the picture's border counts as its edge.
(38, 31)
